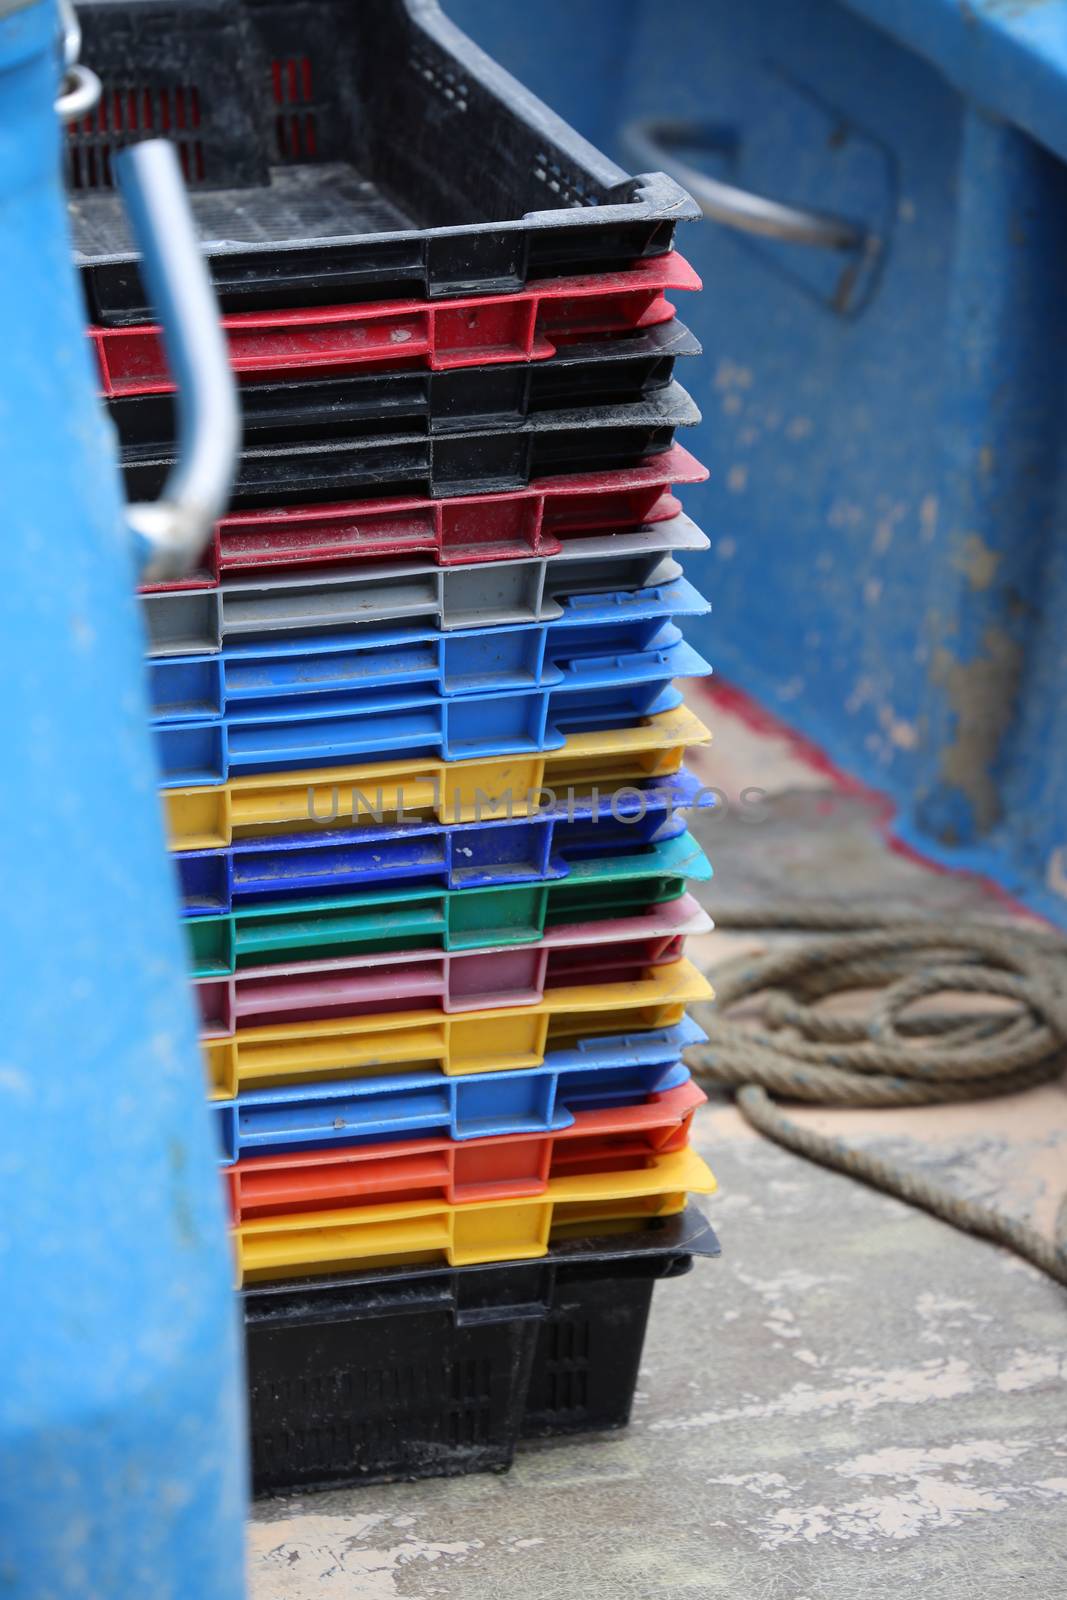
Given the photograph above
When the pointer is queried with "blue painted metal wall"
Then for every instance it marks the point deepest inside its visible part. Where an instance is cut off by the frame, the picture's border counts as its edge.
(122, 1436)
(887, 503)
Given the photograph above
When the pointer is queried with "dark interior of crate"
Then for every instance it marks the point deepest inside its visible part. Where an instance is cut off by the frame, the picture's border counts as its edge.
(304, 119)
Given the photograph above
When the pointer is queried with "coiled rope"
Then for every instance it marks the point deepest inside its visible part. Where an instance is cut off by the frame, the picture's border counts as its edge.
(794, 1049)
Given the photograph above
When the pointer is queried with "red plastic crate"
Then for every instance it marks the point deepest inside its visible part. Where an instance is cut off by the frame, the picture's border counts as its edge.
(492, 527)
(529, 326)
(617, 1139)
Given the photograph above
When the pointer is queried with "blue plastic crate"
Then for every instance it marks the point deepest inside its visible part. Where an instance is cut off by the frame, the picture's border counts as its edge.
(329, 728)
(327, 862)
(192, 688)
(402, 917)
(618, 1071)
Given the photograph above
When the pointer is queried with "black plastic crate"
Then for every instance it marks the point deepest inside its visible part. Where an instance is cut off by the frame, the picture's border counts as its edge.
(628, 368)
(436, 1372)
(343, 150)
(486, 460)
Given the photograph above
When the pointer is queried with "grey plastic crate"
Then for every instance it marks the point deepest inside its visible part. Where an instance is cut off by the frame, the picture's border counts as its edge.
(484, 594)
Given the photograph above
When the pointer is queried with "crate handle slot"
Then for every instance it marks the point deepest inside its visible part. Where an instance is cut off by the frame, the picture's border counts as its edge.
(172, 531)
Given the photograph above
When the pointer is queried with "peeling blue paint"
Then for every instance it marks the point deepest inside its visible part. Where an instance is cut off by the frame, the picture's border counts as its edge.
(892, 577)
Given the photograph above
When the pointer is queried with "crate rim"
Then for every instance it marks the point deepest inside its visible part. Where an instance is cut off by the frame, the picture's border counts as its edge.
(686, 1234)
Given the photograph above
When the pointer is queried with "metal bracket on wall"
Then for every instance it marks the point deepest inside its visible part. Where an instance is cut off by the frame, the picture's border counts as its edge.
(654, 144)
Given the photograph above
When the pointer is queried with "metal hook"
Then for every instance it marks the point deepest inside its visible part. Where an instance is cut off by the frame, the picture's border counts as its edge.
(70, 32)
(80, 89)
(173, 530)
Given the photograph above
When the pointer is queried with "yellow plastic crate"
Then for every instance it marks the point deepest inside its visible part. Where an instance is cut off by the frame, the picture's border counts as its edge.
(494, 1230)
(454, 1042)
(448, 791)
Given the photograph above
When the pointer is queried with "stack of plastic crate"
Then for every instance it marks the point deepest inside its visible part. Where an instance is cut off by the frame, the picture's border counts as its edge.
(421, 747)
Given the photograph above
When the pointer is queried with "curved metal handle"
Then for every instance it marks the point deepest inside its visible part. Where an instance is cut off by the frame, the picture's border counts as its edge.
(653, 142)
(173, 530)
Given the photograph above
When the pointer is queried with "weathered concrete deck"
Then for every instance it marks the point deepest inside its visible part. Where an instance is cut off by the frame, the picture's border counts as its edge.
(854, 1400)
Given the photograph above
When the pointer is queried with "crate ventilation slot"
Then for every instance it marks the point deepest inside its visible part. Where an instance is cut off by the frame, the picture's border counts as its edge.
(125, 115)
(568, 185)
(295, 121)
(448, 84)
